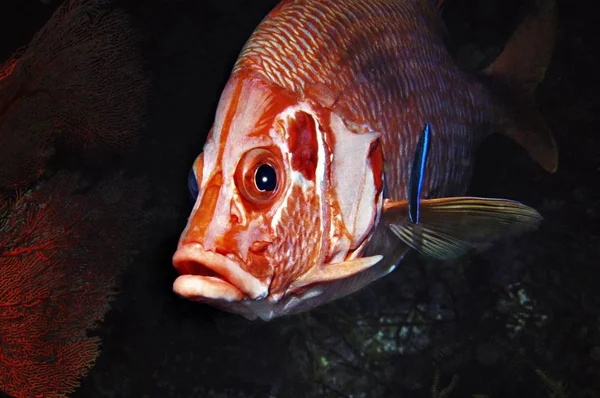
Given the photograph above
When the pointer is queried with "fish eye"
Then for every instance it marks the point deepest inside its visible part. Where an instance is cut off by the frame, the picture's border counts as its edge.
(265, 178)
(260, 176)
(193, 184)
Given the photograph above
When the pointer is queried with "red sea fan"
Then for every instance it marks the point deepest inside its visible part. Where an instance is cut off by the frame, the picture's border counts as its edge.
(62, 247)
(79, 81)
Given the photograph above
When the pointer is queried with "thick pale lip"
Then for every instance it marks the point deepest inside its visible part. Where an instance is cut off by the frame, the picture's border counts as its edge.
(211, 275)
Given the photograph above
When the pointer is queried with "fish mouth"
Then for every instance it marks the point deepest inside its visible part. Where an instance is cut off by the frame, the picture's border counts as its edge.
(206, 275)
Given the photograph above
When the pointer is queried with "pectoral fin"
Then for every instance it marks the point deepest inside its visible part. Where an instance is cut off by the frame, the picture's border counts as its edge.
(449, 227)
(331, 272)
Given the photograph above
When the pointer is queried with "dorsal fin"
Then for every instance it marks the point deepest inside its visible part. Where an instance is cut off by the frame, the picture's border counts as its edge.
(527, 53)
(520, 68)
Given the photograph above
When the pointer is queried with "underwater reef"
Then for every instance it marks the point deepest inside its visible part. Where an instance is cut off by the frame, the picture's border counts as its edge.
(521, 319)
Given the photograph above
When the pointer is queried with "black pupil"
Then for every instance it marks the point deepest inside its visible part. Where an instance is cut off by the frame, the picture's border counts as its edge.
(265, 178)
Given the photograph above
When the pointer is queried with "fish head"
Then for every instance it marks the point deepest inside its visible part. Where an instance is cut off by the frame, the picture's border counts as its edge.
(270, 213)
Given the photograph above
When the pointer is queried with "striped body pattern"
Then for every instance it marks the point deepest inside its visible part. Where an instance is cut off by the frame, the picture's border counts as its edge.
(384, 63)
(302, 187)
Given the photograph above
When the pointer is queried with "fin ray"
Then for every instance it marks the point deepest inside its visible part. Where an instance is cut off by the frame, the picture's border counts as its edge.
(449, 227)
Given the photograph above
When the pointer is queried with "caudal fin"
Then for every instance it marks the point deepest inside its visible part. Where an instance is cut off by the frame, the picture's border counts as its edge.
(519, 69)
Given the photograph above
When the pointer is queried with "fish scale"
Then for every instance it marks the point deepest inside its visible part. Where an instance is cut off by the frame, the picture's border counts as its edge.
(331, 97)
(389, 69)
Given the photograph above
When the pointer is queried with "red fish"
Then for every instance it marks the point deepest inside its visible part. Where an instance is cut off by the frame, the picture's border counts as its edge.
(302, 183)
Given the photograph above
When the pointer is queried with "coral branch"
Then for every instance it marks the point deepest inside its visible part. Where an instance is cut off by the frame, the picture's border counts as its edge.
(62, 251)
(79, 81)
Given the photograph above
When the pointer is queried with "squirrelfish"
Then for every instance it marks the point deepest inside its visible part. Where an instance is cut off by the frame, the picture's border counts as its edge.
(302, 188)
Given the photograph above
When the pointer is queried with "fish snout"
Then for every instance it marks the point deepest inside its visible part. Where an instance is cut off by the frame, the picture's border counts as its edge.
(207, 275)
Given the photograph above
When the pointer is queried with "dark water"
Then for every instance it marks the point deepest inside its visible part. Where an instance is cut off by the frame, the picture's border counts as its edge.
(521, 320)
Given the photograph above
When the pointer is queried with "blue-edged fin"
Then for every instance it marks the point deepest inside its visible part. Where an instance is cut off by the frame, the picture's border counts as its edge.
(417, 175)
(449, 227)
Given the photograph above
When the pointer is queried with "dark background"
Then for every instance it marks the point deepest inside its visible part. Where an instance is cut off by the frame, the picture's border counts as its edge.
(521, 320)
